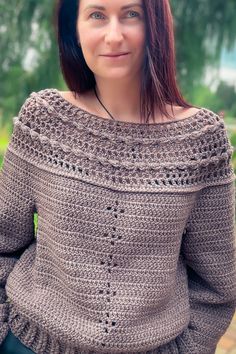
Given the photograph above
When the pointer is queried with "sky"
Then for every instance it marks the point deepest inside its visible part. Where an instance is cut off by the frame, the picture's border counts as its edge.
(227, 71)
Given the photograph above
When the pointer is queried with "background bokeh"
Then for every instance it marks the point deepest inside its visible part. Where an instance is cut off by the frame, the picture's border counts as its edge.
(205, 33)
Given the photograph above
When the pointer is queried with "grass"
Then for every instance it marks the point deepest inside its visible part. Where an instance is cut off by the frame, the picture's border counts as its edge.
(4, 139)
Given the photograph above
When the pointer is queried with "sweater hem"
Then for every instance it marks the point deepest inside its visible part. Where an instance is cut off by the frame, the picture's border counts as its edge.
(41, 342)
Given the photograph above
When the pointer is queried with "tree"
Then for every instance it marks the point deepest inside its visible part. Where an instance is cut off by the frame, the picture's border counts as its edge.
(202, 28)
(28, 52)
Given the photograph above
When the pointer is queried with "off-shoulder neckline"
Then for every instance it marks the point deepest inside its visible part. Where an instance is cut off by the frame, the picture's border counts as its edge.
(77, 109)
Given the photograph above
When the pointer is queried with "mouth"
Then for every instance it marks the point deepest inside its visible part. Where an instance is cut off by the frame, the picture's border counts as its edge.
(115, 55)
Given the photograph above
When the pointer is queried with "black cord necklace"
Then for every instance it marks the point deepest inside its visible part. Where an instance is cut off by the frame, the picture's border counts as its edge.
(103, 104)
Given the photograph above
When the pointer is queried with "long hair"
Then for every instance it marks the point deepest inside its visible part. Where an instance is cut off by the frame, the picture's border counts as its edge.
(158, 78)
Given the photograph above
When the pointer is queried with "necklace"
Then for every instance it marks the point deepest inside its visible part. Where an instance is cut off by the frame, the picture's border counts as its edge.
(103, 104)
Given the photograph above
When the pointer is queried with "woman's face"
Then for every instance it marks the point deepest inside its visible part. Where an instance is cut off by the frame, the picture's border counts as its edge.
(112, 27)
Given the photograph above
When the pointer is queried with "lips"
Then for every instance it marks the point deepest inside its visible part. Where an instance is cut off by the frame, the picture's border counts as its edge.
(114, 55)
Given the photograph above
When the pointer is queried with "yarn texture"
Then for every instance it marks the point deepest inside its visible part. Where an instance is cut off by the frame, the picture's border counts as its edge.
(134, 250)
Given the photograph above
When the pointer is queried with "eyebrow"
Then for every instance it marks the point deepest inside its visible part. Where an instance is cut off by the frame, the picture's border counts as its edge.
(103, 8)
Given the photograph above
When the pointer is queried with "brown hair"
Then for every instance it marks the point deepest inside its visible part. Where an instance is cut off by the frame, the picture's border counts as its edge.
(158, 81)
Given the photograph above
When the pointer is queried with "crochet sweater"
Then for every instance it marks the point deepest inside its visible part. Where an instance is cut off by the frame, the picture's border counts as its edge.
(134, 250)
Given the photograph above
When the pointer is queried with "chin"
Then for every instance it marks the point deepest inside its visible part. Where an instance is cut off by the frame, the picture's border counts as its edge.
(116, 74)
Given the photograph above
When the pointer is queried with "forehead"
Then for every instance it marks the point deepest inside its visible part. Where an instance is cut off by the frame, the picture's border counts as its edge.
(106, 4)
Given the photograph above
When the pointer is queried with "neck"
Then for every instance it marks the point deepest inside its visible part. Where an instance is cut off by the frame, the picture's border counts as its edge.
(121, 100)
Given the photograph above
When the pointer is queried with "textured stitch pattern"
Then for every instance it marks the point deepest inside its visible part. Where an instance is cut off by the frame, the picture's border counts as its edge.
(135, 247)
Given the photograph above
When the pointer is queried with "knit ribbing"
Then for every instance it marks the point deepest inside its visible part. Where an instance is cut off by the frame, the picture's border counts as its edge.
(135, 246)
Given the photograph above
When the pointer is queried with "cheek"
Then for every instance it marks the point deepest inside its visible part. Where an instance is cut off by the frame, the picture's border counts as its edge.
(90, 52)
(137, 37)
(141, 38)
(89, 40)
(89, 46)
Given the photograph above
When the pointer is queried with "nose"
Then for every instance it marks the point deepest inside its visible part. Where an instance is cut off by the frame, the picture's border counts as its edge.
(114, 33)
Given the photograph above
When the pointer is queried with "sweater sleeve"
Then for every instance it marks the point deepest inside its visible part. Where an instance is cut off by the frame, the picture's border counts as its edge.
(208, 249)
(16, 217)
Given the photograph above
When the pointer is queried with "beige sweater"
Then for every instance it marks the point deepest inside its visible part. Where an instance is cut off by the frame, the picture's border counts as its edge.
(135, 246)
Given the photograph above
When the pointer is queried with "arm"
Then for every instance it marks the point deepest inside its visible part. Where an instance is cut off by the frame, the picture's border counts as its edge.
(16, 221)
(208, 247)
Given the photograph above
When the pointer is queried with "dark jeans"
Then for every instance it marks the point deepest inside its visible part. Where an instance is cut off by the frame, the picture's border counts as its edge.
(12, 345)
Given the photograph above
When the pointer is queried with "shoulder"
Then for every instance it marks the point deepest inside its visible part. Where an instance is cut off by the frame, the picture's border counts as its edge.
(214, 149)
(215, 123)
(213, 130)
(55, 102)
(36, 103)
(205, 144)
(181, 113)
(204, 150)
(35, 116)
(35, 97)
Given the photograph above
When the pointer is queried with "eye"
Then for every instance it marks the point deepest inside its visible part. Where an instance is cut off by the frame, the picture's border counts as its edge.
(134, 12)
(95, 13)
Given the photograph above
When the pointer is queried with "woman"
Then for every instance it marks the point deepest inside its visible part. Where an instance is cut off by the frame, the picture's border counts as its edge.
(134, 191)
